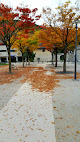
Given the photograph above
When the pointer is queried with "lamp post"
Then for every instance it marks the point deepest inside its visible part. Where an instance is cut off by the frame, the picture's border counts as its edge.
(75, 52)
(76, 22)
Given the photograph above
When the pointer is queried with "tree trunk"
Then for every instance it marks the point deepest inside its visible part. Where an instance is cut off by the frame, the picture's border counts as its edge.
(52, 58)
(28, 60)
(23, 60)
(65, 50)
(56, 58)
(9, 56)
(64, 64)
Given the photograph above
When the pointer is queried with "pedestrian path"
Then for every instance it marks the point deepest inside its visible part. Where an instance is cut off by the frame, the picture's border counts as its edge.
(28, 117)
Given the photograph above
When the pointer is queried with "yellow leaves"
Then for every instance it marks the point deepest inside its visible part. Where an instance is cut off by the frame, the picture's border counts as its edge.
(20, 42)
(1, 18)
(33, 41)
(58, 7)
(13, 126)
(66, 14)
(42, 130)
(23, 41)
(67, 2)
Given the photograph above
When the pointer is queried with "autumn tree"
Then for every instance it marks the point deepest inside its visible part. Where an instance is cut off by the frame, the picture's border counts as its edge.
(8, 27)
(32, 43)
(71, 39)
(11, 22)
(65, 18)
(51, 41)
(27, 18)
(62, 25)
(20, 43)
(26, 43)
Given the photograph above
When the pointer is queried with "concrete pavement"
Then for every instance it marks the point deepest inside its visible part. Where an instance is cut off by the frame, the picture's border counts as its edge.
(28, 117)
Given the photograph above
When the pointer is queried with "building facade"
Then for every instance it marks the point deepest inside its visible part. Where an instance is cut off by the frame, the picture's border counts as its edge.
(41, 55)
(15, 56)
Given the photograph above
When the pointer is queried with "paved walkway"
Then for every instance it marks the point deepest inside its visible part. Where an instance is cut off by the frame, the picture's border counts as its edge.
(28, 117)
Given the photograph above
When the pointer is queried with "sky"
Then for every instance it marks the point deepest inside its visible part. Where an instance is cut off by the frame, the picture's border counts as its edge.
(36, 4)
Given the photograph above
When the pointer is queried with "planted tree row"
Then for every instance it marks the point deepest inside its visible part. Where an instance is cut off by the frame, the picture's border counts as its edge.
(57, 33)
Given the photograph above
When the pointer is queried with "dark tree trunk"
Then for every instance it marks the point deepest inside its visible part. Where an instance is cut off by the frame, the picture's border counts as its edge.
(9, 56)
(23, 60)
(28, 60)
(52, 58)
(64, 63)
(65, 51)
(56, 58)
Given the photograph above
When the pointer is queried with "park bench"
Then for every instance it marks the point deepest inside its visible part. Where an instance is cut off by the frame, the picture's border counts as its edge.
(13, 66)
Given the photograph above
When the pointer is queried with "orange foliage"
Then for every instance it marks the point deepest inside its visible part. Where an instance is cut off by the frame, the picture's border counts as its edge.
(49, 38)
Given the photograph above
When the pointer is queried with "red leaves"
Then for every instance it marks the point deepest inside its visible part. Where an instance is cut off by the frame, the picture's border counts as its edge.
(38, 17)
(27, 18)
(34, 10)
(4, 8)
(25, 10)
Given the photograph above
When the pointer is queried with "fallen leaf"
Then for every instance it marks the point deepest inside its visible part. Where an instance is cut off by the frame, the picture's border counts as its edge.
(26, 135)
(42, 130)
(78, 132)
(53, 122)
(69, 126)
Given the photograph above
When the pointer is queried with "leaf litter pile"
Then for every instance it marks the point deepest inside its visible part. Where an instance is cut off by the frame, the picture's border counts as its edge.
(36, 75)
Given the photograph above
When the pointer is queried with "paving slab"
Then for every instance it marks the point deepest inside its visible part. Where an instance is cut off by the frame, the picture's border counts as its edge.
(28, 117)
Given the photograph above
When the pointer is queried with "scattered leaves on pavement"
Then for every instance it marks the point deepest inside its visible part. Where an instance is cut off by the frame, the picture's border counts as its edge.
(36, 75)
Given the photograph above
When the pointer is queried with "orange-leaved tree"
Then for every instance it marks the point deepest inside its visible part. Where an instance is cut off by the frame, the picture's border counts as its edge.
(50, 40)
(8, 27)
(65, 18)
(11, 22)
(62, 25)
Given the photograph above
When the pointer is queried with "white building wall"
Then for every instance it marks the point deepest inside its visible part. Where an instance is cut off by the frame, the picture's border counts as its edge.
(78, 53)
(44, 56)
(5, 53)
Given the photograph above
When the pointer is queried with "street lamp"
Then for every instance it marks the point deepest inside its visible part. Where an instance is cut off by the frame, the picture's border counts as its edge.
(76, 22)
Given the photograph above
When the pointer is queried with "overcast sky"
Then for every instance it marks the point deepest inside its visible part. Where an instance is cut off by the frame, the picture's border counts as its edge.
(35, 3)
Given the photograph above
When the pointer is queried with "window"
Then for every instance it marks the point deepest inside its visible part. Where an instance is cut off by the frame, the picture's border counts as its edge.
(3, 50)
(12, 50)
